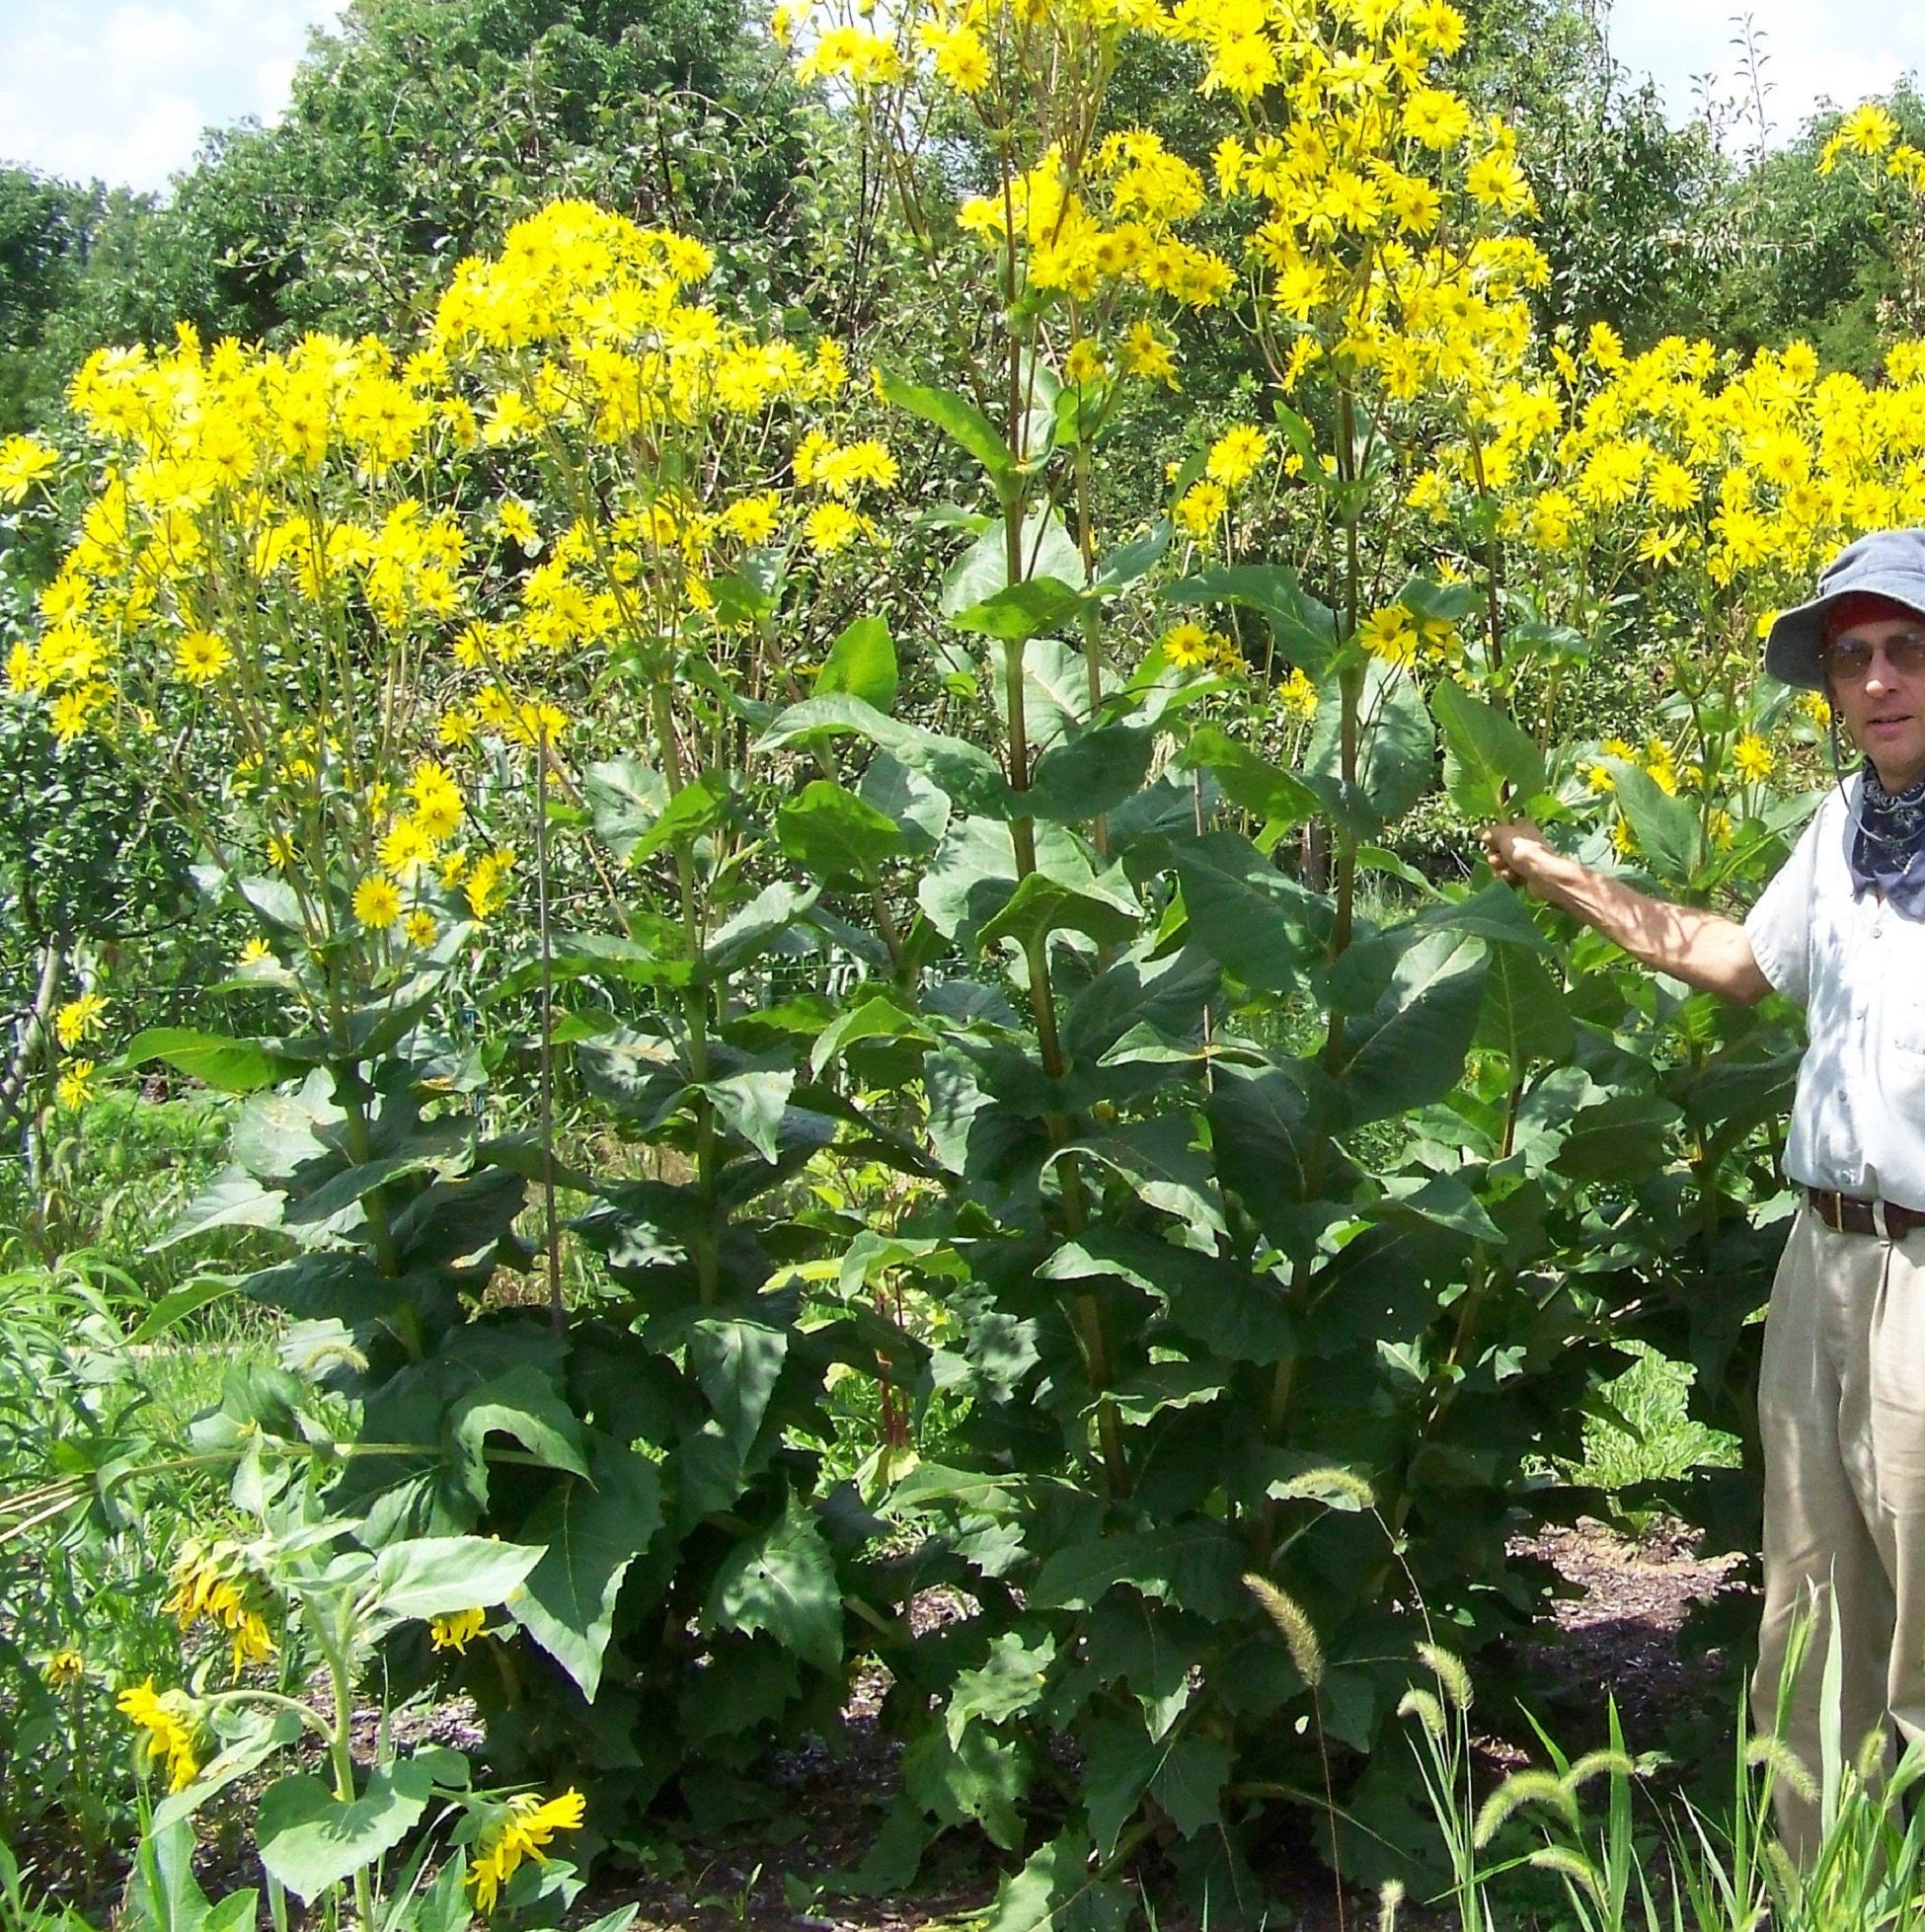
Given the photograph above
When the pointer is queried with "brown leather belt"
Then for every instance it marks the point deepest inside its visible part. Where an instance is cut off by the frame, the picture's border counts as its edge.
(1851, 1214)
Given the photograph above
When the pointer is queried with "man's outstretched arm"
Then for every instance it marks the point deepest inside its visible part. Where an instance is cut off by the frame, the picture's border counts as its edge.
(1703, 949)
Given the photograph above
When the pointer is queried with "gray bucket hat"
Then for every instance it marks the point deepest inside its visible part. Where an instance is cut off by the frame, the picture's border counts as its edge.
(1886, 564)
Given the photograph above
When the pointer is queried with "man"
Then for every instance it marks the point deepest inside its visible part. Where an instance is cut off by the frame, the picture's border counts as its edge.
(1840, 929)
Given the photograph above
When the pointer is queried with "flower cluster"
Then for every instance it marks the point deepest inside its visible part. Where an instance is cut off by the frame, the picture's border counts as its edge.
(171, 1727)
(213, 1583)
(520, 1829)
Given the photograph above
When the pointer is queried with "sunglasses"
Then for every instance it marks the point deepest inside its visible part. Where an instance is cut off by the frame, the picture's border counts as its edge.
(1850, 658)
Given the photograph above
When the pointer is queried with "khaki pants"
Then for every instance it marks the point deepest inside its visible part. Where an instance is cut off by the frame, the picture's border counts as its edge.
(1841, 1407)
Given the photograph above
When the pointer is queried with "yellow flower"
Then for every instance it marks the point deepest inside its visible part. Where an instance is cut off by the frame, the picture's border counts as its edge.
(457, 1631)
(75, 1087)
(1296, 696)
(1235, 455)
(1188, 646)
(168, 1719)
(519, 1830)
(518, 524)
(419, 928)
(487, 884)
(830, 527)
(199, 656)
(62, 1668)
(79, 1018)
(212, 1582)
(1146, 354)
(1388, 634)
(1751, 756)
(377, 902)
(257, 952)
(1085, 363)
(24, 461)
(1202, 508)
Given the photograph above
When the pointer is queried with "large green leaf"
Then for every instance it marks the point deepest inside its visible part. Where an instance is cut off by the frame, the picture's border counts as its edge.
(1304, 629)
(1048, 551)
(1190, 1563)
(1397, 746)
(979, 1777)
(625, 797)
(1009, 1682)
(1019, 612)
(862, 664)
(1190, 1779)
(521, 1404)
(234, 1067)
(1259, 923)
(310, 1840)
(1484, 754)
(1085, 776)
(969, 776)
(699, 807)
(832, 834)
(737, 1362)
(1410, 1049)
(595, 1529)
(1666, 829)
(753, 1105)
(1275, 795)
(232, 1199)
(1267, 1148)
(435, 1575)
(1041, 905)
(956, 416)
(783, 1581)
(1524, 1016)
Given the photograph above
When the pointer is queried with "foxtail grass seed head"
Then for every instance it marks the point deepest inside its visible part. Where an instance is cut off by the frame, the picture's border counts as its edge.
(1449, 1670)
(1298, 1632)
(1390, 1901)
(1522, 1788)
(1769, 1753)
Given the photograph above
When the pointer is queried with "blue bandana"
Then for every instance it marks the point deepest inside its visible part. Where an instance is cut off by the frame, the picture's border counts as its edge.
(1888, 844)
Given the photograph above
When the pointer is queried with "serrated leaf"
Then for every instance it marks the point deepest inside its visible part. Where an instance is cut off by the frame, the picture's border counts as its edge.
(1410, 1049)
(1259, 923)
(783, 1581)
(1524, 1016)
(310, 1840)
(1008, 1683)
(1021, 611)
(1041, 905)
(594, 1530)
(521, 1404)
(435, 1575)
(1666, 829)
(1275, 795)
(1091, 774)
(956, 416)
(233, 1199)
(625, 799)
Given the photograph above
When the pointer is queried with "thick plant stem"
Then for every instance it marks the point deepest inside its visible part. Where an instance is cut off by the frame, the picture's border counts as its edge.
(557, 1312)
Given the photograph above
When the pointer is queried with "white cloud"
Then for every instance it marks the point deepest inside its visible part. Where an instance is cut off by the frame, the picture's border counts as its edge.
(122, 89)
(1837, 50)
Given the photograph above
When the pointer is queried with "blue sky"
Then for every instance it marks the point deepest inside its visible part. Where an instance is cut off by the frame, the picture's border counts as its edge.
(121, 88)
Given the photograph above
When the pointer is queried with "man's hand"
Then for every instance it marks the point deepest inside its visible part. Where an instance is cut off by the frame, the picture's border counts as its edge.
(1520, 853)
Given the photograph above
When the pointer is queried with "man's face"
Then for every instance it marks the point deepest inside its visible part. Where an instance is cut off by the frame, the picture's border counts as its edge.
(1882, 705)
